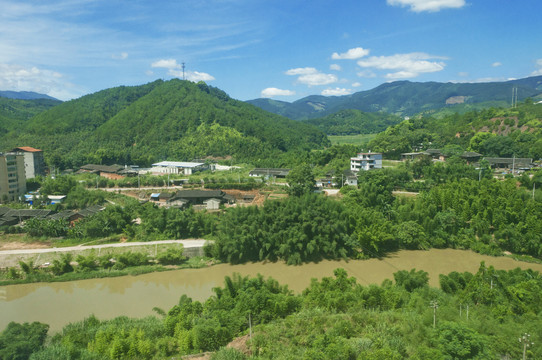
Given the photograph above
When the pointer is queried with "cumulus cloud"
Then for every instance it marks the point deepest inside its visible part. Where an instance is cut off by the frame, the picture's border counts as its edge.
(175, 69)
(271, 92)
(166, 64)
(302, 71)
(539, 70)
(428, 5)
(496, 64)
(335, 67)
(43, 81)
(407, 65)
(351, 54)
(312, 77)
(356, 84)
(336, 92)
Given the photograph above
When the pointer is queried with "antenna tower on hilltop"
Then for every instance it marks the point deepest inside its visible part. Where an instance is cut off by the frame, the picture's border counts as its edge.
(183, 71)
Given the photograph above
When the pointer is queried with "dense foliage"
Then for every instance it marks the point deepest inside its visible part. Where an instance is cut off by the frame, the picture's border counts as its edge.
(349, 122)
(15, 112)
(295, 230)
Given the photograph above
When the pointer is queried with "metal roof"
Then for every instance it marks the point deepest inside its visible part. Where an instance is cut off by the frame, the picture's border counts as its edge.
(180, 164)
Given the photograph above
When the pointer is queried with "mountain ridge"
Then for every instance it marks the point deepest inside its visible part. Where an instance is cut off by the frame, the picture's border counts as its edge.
(24, 95)
(406, 98)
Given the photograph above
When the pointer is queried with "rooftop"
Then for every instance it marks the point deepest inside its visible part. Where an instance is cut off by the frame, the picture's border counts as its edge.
(26, 148)
(180, 164)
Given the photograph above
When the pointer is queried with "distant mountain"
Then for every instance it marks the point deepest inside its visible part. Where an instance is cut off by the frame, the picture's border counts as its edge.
(405, 98)
(24, 95)
(163, 120)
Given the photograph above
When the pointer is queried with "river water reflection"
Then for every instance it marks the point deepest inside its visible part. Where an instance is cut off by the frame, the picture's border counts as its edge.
(58, 304)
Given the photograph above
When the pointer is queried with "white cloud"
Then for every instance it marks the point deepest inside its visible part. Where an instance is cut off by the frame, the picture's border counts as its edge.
(121, 56)
(336, 92)
(271, 92)
(191, 75)
(351, 54)
(312, 77)
(317, 79)
(538, 71)
(43, 81)
(175, 69)
(166, 63)
(335, 67)
(463, 74)
(407, 65)
(428, 5)
(496, 64)
(356, 84)
(302, 71)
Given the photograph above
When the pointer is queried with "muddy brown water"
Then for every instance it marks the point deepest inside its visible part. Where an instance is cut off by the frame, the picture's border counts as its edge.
(58, 304)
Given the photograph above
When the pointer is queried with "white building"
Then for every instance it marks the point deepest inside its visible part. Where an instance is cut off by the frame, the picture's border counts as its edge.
(33, 161)
(176, 167)
(366, 161)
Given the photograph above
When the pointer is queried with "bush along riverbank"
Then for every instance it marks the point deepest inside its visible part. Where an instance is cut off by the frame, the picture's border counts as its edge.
(67, 267)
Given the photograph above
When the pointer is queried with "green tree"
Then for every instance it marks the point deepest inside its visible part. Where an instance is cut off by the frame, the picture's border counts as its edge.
(19, 341)
(300, 180)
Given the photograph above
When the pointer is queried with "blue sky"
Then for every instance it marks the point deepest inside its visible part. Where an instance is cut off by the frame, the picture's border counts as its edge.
(283, 49)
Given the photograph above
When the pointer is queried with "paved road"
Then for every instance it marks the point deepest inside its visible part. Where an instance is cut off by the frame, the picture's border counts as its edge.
(190, 243)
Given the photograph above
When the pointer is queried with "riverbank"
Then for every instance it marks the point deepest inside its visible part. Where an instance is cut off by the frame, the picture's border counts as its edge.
(60, 303)
(45, 255)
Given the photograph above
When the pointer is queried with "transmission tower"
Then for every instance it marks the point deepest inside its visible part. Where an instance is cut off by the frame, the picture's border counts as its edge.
(183, 70)
(514, 97)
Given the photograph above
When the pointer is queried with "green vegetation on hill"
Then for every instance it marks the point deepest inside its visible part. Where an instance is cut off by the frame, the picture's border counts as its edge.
(350, 122)
(491, 132)
(15, 112)
(175, 120)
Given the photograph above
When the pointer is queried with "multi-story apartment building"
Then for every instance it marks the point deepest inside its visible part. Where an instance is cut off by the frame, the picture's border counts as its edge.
(33, 161)
(366, 161)
(12, 176)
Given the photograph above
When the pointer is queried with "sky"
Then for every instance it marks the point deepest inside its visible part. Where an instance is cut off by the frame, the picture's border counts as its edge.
(280, 49)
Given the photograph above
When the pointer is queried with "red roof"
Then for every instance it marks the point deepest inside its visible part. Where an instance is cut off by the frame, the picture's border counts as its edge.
(27, 148)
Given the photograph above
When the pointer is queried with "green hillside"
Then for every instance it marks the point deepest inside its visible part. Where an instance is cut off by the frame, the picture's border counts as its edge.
(492, 132)
(406, 98)
(352, 122)
(174, 120)
(14, 112)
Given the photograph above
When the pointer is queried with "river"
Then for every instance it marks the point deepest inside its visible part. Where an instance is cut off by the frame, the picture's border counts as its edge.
(58, 304)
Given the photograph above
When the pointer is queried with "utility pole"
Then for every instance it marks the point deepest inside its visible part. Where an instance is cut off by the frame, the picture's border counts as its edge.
(434, 305)
(526, 341)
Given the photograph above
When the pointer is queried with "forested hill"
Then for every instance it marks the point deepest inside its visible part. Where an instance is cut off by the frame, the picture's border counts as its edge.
(14, 112)
(352, 122)
(407, 98)
(173, 120)
(492, 132)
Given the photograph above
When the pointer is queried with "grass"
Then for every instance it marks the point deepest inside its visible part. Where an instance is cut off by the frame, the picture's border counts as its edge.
(45, 276)
(351, 139)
